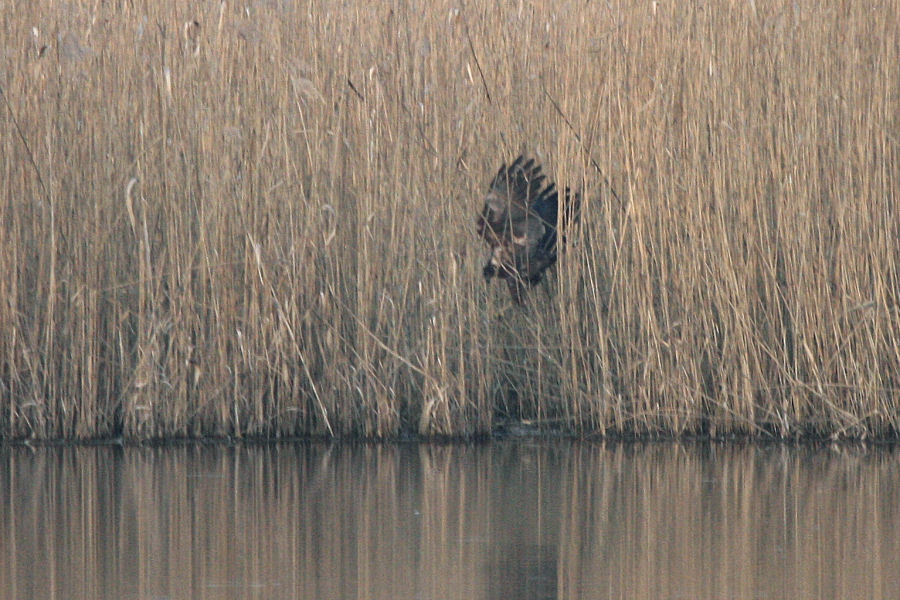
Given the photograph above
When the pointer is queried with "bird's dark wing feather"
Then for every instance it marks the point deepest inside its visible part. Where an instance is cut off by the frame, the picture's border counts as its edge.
(547, 208)
(520, 184)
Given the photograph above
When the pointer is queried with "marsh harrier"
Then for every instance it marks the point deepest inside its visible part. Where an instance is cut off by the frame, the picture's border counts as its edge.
(519, 223)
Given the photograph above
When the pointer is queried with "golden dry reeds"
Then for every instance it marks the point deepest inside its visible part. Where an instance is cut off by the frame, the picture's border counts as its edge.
(256, 219)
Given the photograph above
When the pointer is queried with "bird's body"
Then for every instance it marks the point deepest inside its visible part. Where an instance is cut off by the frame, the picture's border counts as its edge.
(519, 222)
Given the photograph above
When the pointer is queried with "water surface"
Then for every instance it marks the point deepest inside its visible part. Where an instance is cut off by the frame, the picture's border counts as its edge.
(504, 520)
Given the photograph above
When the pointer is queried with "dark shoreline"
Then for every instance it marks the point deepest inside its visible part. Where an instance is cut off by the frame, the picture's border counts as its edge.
(512, 432)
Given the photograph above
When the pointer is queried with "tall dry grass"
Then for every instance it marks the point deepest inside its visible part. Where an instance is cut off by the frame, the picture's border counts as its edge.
(257, 218)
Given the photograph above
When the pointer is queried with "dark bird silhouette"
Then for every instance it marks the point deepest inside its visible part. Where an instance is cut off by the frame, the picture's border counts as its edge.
(519, 223)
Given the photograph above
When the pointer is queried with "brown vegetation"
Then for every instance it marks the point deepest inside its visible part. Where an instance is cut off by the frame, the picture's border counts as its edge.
(256, 218)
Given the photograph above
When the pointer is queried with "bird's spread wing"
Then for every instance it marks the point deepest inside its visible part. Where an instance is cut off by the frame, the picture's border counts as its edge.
(520, 184)
(517, 197)
(519, 222)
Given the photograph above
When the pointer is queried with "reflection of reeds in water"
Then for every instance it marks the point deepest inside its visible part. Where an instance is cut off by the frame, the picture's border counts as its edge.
(746, 522)
(491, 521)
(301, 185)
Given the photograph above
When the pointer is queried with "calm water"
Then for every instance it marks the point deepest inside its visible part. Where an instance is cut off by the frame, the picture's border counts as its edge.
(506, 520)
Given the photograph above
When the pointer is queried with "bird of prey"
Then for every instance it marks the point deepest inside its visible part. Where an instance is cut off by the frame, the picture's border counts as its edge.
(519, 224)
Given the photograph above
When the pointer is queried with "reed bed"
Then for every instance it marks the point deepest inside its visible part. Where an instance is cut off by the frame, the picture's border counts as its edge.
(256, 219)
